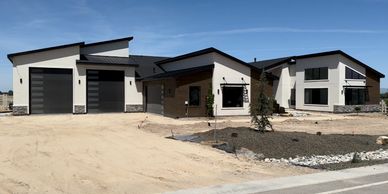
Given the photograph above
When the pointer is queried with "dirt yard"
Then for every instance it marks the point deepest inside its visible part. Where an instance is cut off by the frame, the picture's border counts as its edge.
(107, 153)
(327, 123)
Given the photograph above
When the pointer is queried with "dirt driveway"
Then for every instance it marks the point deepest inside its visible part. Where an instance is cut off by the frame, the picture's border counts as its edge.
(107, 153)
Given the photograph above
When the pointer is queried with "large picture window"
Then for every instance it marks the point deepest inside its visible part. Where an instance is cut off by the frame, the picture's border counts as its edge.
(350, 74)
(355, 96)
(232, 96)
(316, 73)
(194, 95)
(316, 96)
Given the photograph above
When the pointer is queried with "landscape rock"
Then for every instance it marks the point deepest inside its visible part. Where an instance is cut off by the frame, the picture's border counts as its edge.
(248, 154)
(382, 140)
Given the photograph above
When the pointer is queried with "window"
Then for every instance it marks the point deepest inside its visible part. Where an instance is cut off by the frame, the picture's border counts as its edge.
(315, 96)
(292, 99)
(355, 96)
(350, 74)
(232, 96)
(316, 73)
(194, 95)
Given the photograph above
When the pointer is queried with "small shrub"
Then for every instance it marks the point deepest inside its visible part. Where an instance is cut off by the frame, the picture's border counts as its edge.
(210, 102)
(357, 109)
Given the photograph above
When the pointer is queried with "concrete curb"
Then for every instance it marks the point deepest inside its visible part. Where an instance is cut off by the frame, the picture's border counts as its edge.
(287, 182)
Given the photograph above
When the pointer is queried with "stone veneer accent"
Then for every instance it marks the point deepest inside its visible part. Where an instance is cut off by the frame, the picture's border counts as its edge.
(79, 109)
(350, 108)
(134, 108)
(20, 110)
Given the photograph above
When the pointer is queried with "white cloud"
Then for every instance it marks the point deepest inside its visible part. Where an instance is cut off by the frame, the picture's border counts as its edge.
(275, 30)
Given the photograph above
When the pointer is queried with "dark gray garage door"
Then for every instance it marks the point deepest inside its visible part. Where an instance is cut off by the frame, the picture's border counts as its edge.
(51, 90)
(154, 99)
(105, 91)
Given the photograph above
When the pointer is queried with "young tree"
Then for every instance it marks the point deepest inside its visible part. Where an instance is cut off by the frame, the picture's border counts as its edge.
(210, 102)
(262, 110)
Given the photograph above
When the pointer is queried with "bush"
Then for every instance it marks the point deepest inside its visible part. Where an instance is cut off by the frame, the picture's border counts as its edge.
(210, 102)
(357, 109)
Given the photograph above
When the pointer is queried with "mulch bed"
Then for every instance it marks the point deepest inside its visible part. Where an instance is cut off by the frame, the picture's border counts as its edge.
(292, 144)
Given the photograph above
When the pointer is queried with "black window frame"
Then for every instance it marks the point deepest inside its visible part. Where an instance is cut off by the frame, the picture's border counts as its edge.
(313, 96)
(320, 73)
(239, 101)
(351, 74)
(358, 96)
(199, 96)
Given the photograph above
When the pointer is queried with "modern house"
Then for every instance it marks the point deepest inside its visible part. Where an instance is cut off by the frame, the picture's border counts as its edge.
(103, 77)
(329, 81)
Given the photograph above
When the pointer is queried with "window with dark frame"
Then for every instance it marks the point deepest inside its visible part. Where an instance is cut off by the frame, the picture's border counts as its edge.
(292, 98)
(351, 74)
(232, 97)
(316, 96)
(316, 73)
(356, 96)
(194, 95)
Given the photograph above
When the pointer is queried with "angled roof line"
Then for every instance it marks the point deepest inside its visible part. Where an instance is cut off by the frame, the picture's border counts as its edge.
(105, 60)
(345, 55)
(340, 52)
(43, 49)
(179, 72)
(109, 41)
(201, 52)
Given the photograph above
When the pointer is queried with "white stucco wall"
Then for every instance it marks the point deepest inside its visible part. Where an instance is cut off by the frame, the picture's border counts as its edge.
(58, 58)
(65, 58)
(282, 87)
(233, 72)
(332, 83)
(118, 49)
(133, 90)
(343, 63)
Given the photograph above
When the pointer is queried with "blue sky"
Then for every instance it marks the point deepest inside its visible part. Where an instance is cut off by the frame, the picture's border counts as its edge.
(245, 29)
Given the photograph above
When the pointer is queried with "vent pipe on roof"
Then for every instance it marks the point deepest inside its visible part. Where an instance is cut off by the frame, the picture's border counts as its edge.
(254, 59)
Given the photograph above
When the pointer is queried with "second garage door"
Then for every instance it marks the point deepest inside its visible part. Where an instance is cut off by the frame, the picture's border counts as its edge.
(105, 91)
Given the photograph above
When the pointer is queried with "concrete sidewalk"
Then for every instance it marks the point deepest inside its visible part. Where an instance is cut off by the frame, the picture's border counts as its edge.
(325, 182)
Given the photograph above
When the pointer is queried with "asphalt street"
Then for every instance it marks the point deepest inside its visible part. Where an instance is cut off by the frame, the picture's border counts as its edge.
(371, 179)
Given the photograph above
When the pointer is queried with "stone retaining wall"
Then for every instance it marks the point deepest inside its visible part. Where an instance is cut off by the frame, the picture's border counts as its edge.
(350, 108)
(79, 109)
(20, 110)
(134, 108)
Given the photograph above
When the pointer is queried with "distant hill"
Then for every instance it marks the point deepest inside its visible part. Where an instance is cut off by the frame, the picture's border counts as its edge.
(383, 90)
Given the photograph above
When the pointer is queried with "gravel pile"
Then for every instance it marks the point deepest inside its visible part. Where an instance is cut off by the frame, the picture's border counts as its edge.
(319, 160)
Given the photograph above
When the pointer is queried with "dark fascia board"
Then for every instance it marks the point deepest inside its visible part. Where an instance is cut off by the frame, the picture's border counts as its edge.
(84, 62)
(339, 52)
(109, 41)
(343, 54)
(201, 52)
(179, 72)
(43, 49)
(278, 63)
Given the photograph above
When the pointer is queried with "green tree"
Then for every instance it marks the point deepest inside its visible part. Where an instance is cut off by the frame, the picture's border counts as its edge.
(262, 110)
(210, 102)
(10, 92)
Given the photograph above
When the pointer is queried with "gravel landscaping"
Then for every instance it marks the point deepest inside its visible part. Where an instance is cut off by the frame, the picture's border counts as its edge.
(329, 151)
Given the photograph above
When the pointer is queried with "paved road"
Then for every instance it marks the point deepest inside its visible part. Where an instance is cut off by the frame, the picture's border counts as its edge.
(372, 179)
(374, 184)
